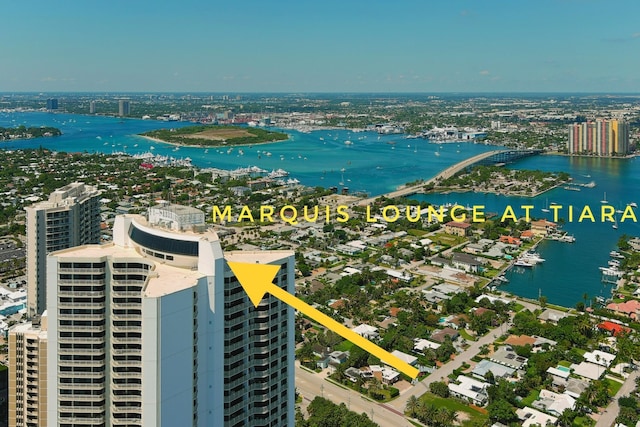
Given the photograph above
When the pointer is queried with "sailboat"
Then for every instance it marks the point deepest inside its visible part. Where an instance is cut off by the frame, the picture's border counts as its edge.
(615, 223)
(546, 208)
(604, 201)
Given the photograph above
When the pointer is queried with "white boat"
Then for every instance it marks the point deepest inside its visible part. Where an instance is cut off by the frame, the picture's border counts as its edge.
(567, 238)
(604, 201)
(546, 208)
(614, 254)
(611, 271)
(347, 142)
(502, 279)
(613, 263)
(278, 173)
(522, 263)
(532, 257)
(633, 204)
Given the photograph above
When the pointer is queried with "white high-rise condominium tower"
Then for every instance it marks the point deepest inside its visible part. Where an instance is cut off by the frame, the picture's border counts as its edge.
(154, 330)
(70, 217)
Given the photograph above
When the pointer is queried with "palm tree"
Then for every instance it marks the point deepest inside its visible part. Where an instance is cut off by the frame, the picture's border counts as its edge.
(413, 404)
(585, 297)
(447, 417)
(428, 413)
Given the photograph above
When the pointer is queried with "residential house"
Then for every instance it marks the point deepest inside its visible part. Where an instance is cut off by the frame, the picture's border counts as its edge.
(599, 358)
(420, 344)
(559, 377)
(527, 235)
(552, 316)
(575, 387)
(407, 358)
(588, 370)
(386, 375)
(554, 403)
(510, 240)
(613, 328)
(461, 229)
(543, 227)
(532, 417)
(338, 357)
(353, 374)
(440, 335)
(466, 262)
(366, 331)
(629, 308)
(470, 389)
(498, 370)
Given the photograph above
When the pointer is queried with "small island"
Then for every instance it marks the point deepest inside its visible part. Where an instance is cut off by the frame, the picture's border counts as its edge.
(498, 180)
(213, 136)
(23, 132)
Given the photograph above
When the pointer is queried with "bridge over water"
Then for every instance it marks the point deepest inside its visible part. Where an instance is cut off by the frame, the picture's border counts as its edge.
(496, 157)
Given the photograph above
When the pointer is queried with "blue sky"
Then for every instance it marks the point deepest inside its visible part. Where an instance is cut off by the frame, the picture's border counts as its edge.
(322, 46)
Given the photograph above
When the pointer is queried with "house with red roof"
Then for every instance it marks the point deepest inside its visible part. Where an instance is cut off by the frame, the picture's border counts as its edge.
(629, 308)
(613, 328)
(527, 235)
(510, 240)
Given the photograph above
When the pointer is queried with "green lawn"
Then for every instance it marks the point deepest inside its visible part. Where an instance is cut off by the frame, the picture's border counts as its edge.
(464, 334)
(455, 405)
(415, 232)
(583, 422)
(614, 386)
(565, 363)
(533, 396)
(344, 346)
(448, 239)
(518, 307)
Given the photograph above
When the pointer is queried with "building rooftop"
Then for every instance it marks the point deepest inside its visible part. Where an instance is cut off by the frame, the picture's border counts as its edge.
(458, 224)
(253, 257)
(498, 370)
(163, 279)
(532, 417)
(506, 356)
(411, 360)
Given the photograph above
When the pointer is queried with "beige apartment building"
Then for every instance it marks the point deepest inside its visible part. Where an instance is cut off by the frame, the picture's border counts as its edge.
(70, 217)
(28, 374)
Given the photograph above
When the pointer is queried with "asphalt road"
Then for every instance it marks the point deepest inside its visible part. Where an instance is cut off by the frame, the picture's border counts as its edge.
(608, 418)
(447, 369)
(310, 385)
(387, 414)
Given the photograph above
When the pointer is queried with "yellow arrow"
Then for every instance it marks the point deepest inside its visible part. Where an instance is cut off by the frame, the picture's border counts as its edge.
(256, 279)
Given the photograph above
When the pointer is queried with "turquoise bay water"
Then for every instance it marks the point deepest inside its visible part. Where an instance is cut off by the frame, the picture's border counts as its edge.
(370, 164)
(378, 165)
(570, 269)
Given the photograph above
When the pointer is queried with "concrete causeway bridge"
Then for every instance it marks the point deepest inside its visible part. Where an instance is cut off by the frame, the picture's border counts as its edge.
(496, 157)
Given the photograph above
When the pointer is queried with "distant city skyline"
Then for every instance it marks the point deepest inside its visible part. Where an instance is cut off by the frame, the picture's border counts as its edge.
(355, 46)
